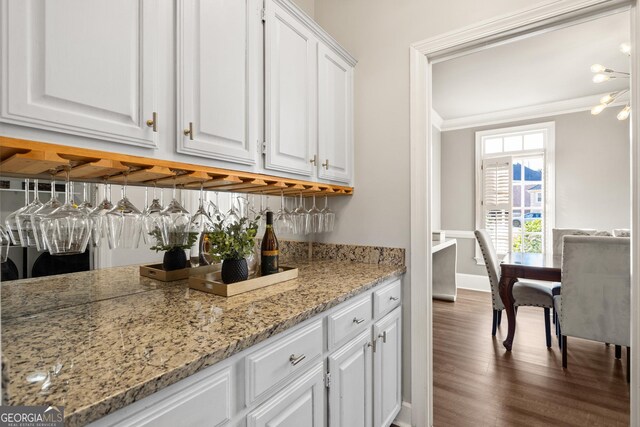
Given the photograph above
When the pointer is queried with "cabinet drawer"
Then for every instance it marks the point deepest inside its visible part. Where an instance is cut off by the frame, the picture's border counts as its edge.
(204, 399)
(386, 298)
(300, 404)
(269, 366)
(349, 321)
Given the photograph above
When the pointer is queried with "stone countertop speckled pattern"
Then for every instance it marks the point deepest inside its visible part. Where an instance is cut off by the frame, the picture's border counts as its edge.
(111, 346)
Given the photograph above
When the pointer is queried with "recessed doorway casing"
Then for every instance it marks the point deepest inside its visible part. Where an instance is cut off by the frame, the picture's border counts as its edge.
(505, 29)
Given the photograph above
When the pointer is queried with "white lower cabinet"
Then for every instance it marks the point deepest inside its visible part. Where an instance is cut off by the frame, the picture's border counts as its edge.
(350, 383)
(300, 404)
(387, 365)
(201, 400)
(285, 382)
(365, 376)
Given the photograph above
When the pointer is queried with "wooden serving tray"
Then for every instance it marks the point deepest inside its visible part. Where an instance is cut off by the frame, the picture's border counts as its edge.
(155, 271)
(212, 283)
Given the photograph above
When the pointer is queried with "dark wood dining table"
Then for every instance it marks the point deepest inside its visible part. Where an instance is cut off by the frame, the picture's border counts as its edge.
(516, 266)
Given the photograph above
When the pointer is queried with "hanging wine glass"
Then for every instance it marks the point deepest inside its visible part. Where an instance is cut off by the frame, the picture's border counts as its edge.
(175, 220)
(328, 217)
(314, 219)
(98, 216)
(11, 221)
(151, 226)
(283, 222)
(45, 209)
(25, 225)
(67, 229)
(233, 215)
(299, 217)
(213, 210)
(123, 222)
(86, 204)
(5, 242)
(201, 224)
(264, 208)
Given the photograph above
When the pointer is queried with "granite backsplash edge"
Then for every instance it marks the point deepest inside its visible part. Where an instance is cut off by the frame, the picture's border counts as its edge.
(290, 249)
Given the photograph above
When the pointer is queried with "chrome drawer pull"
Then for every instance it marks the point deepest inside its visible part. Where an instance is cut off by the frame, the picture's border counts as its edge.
(392, 298)
(383, 336)
(296, 359)
(358, 321)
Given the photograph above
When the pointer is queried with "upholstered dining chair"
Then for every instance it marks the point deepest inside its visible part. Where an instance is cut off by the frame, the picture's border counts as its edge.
(525, 293)
(596, 302)
(559, 233)
(621, 232)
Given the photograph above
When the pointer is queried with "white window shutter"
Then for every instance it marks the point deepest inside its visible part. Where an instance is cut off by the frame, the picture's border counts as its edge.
(496, 201)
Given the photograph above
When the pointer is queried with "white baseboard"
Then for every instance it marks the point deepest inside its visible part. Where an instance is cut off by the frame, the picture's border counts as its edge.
(473, 281)
(404, 416)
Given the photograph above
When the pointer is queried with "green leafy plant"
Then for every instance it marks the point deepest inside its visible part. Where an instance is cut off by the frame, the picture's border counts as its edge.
(232, 241)
(160, 246)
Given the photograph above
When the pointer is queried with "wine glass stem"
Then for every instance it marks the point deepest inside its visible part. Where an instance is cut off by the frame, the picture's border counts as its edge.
(124, 187)
(36, 198)
(201, 196)
(26, 192)
(326, 198)
(85, 192)
(67, 186)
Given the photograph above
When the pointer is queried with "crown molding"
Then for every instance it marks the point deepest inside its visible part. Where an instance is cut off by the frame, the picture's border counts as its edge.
(306, 20)
(530, 112)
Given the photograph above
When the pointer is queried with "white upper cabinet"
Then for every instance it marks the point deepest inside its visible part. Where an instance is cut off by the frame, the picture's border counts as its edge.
(83, 67)
(219, 75)
(290, 91)
(309, 97)
(335, 116)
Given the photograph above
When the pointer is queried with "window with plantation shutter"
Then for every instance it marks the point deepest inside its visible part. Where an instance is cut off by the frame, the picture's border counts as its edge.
(515, 187)
(496, 201)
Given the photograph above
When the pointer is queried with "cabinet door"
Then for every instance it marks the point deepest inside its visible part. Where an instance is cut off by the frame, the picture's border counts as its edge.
(350, 390)
(219, 72)
(84, 67)
(387, 369)
(335, 116)
(290, 104)
(299, 404)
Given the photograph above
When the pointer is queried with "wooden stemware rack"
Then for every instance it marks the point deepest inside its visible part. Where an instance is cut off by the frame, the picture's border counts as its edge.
(31, 159)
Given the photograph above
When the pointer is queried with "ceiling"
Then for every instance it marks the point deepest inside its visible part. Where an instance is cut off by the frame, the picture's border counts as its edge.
(543, 69)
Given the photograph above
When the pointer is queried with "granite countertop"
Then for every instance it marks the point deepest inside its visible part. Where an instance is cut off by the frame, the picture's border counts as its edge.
(108, 338)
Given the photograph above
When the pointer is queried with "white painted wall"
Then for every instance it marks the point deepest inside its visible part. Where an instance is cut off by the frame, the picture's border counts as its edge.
(378, 33)
(592, 176)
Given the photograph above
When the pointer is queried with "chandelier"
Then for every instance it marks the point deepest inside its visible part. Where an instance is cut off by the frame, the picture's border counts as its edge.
(603, 74)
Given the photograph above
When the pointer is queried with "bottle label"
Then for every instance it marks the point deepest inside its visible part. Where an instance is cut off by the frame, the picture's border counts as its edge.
(269, 263)
(271, 253)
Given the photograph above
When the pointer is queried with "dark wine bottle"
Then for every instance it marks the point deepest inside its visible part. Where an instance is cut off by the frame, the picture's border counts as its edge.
(269, 251)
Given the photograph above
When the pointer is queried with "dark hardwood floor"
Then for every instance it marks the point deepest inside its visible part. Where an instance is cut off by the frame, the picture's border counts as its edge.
(478, 383)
